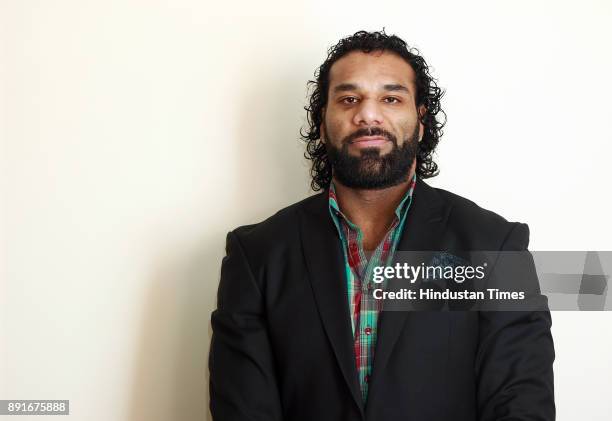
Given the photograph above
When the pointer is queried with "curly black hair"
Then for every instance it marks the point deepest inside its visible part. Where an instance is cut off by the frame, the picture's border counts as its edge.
(428, 94)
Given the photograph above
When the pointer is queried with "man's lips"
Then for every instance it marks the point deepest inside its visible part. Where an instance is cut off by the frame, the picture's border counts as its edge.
(369, 141)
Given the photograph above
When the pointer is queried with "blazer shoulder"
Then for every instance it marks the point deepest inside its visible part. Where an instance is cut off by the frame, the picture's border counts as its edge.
(469, 219)
(279, 229)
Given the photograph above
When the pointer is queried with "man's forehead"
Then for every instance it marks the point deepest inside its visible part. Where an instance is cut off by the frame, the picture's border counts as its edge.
(375, 68)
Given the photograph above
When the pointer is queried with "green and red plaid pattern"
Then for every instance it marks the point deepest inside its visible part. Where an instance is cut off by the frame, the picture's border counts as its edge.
(364, 309)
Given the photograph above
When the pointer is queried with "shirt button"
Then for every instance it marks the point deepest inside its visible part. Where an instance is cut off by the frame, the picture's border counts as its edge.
(367, 378)
(370, 286)
(368, 330)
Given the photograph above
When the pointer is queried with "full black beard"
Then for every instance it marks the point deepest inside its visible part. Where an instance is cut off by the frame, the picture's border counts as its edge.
(369, 170)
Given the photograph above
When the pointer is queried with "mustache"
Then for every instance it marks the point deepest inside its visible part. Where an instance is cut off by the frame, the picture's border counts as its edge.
(370, 131)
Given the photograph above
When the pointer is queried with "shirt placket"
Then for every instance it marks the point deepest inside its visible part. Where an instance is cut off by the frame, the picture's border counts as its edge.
(367, 332)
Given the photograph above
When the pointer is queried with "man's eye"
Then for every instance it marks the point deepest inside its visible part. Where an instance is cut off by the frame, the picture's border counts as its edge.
(392, 100)
(349, 100)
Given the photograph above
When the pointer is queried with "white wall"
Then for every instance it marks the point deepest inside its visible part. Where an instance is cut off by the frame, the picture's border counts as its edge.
(135, 134)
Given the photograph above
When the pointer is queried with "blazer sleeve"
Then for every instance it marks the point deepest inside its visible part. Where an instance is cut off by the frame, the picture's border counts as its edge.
(243, 383)
(514, 362)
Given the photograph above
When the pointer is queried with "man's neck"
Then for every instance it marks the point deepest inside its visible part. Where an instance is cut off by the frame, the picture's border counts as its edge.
(372, 211)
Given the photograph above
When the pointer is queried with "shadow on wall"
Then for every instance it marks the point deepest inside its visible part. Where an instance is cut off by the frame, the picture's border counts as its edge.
(171, 364)
(171, 375)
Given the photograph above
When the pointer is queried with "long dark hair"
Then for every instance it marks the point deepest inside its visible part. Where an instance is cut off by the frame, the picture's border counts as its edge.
(428, 94)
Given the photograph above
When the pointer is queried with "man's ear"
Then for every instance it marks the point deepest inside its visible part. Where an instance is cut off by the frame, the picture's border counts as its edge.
(322, 127)
(422, 110)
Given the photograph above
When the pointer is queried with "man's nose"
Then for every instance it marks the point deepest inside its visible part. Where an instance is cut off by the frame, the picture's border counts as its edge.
(368, 113)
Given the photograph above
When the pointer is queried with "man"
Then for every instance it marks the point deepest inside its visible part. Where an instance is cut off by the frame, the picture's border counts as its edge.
(297, 334)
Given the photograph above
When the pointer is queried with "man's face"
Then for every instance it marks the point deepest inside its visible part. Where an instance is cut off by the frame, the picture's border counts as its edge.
(370, 127)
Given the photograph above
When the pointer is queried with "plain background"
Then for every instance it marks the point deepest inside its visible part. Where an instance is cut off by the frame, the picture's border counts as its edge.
(135, 134)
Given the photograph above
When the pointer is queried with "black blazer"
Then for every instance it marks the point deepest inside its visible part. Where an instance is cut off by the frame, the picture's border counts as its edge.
(282, 349)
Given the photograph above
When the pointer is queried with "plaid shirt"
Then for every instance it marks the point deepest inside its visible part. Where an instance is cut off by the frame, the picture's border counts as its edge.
(363, 307)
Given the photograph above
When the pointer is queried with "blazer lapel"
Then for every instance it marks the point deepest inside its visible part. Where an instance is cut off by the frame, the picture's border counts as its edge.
(423, 231)
(325, 265)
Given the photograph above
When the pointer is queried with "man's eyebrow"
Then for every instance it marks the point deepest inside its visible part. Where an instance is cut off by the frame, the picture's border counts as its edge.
(343, 87)
(396, 87)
